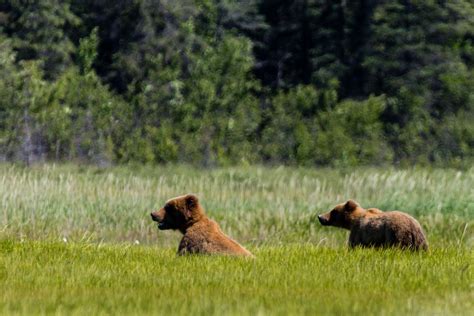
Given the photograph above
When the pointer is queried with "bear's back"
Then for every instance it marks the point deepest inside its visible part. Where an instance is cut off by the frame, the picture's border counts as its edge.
(393, 228)
(206, 237)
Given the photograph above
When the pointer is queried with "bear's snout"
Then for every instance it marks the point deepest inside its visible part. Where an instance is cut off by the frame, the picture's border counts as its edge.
(323, 220)
(154, 217)
(161, 218)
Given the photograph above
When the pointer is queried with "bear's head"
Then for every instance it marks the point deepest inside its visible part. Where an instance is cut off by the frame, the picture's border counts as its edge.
(342, 215)
(178, 213)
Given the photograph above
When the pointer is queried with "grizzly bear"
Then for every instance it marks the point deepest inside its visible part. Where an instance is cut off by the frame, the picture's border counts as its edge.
(374, 228)
(201, 235)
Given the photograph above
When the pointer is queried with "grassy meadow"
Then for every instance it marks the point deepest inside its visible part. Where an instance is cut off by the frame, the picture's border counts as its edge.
(76, 240)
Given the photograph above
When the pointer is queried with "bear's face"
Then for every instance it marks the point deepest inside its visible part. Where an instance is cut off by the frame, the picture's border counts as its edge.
(177, 213)
(341, 215)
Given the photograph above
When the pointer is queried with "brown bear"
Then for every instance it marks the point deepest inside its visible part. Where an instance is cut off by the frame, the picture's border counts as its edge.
(201, 234)
(374, 228)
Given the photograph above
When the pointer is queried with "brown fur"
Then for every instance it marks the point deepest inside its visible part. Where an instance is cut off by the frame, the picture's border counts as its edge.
(374, 228)
(201, 234)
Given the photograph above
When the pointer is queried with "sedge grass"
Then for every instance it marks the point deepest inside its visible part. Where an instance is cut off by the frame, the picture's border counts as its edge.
(83, 278)
(258, 206)
(78, 240)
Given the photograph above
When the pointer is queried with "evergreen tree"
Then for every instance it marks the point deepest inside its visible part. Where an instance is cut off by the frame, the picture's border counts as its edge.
(215, 82)
(37, 29)
(418, 49)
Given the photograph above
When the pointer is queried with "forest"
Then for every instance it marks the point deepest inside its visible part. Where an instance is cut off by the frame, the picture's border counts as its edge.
(216, 83)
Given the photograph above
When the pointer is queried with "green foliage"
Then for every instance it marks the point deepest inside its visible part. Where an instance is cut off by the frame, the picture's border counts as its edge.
(308, 127)
(352, 134)
(455, 138)
(8, 77)
(288, 130)
(92, 114)
(38, 32)
(215, 83)
(203, 114)
(26, 99)
(428, 74)
(221, 109)
(88, 51)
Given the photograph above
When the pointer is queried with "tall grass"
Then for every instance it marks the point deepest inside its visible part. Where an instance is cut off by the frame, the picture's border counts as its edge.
(256, 205)
(79, 240)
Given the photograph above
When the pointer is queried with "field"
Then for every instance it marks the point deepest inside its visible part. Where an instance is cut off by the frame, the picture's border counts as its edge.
(76, 240)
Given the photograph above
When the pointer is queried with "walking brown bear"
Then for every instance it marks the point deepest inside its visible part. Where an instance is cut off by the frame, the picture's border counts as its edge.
(374, 228)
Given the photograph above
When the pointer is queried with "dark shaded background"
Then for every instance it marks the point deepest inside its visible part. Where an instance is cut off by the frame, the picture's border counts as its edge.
(211, 83)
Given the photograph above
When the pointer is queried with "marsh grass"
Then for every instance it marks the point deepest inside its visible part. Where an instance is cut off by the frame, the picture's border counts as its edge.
(78, 240)
(257, 205)
(84, 278)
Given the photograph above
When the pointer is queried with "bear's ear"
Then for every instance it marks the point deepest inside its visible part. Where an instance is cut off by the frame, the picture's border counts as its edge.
(350, 205)
(191, 201)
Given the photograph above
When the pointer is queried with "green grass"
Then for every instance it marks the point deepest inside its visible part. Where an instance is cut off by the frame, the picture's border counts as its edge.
(258, 206)
(43, 277)
(78, 240)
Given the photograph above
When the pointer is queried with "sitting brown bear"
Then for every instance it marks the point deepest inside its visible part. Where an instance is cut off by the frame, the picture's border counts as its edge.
(201, 234)
(374, 228)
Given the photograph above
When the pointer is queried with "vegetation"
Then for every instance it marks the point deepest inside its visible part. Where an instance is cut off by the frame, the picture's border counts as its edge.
(351, 99)
(77, 240)
(59, 278)
(256, 205)
(218, 83)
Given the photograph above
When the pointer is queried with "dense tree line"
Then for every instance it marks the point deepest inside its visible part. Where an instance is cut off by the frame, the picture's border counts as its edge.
(210, 82)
